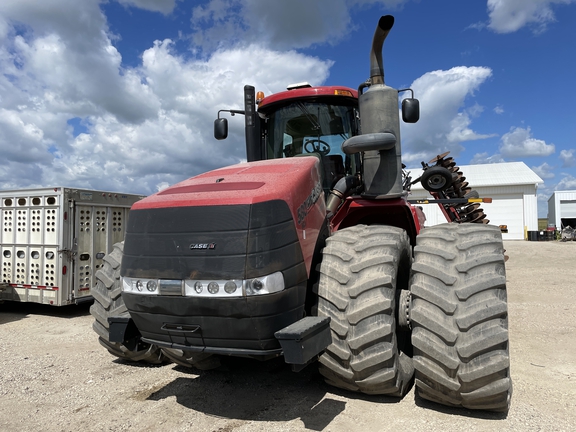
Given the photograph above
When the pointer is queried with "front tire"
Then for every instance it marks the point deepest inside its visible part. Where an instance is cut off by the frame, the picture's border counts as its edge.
(108, 303)
(362, 269)
(459, 317)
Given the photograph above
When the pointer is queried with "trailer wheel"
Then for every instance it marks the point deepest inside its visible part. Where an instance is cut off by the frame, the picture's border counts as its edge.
(200, 361)
(108, 303)
(362, 269)
(436, 179)
(459, 317)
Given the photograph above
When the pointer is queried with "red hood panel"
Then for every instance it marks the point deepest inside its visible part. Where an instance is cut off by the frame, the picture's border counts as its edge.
(245, 183)
(294, 180)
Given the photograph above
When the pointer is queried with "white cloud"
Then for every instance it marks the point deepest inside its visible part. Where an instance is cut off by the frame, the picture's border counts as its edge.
(145, 127)
(444, 120)
(568, 158)
(413, 159)
(163, 6)
(151, 125)
(507, 16)
(65, 61)
(484, 158)
(280, 25)
(545, 171)
(567, 183)
(519, 143)
(276, 24)
(498, 109)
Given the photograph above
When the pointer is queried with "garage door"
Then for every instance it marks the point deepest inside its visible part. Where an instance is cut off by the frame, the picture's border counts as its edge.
(567, 209)
(507, 210)
(504, 210)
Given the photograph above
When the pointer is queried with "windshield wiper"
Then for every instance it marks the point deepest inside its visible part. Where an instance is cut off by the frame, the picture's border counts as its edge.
(310, 117)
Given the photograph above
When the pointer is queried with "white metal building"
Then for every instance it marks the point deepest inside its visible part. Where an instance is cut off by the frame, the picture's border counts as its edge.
(511, 185)
(562, 209)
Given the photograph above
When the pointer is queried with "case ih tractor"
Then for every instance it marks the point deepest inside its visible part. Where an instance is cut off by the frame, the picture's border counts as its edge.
(311, 250)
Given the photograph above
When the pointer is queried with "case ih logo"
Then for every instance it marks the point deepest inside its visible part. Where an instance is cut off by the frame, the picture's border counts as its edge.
(203, 246)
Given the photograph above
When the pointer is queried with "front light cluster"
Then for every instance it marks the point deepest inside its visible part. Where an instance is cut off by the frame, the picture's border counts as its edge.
(205, 288)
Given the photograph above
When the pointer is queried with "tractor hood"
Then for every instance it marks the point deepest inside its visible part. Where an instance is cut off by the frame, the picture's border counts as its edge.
(292, 180)
(243, 221)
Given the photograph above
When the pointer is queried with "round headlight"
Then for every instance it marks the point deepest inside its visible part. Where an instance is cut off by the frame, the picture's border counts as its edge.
(198, 287)
(151, 286)
(213, 287)
(257, 284)
(139, 285)
(230, 287)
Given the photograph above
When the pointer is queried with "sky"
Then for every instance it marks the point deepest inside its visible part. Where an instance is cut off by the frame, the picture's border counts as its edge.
(121, 95)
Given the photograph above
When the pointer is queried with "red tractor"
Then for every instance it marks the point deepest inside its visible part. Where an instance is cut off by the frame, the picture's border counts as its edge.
(311, 250)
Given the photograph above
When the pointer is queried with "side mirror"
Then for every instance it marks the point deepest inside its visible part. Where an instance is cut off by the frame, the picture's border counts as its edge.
(410, 110)
(220, 128)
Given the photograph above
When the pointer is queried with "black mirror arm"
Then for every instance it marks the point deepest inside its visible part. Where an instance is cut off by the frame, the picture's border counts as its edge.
(232, 112)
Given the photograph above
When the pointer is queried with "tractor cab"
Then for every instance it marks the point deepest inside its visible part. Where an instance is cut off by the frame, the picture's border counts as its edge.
(303, 121)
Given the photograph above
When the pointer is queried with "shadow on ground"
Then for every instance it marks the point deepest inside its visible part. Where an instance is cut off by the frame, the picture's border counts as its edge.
(250, 390)
(15, 311)
(261, 391)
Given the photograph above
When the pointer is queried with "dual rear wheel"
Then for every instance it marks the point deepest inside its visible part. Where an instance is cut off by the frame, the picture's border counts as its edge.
(458, 314)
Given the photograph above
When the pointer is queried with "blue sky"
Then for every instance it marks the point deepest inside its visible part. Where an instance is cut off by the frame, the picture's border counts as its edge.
(121, 94)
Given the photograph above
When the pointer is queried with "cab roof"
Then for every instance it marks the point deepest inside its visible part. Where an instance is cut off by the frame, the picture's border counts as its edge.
(309, 92)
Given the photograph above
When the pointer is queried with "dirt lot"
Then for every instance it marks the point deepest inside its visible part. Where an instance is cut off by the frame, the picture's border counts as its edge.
(54, 376)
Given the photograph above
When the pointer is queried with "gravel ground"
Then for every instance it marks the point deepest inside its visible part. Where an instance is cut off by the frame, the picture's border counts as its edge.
(54, 376)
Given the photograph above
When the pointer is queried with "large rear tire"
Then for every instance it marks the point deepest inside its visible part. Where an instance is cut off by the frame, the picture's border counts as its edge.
(362, 269)
(459, 317)
(108, 303)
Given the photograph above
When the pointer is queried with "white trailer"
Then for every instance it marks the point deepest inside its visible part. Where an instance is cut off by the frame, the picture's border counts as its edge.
(52, 241)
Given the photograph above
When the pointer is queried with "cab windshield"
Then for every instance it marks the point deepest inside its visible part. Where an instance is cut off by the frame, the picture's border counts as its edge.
(313, 129)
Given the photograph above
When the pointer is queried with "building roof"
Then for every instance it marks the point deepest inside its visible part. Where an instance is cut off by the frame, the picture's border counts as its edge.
(497, 174)
(563, 195)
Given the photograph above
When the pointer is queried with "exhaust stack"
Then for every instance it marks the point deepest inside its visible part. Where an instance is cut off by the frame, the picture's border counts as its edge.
(376, 67)
(380, 126)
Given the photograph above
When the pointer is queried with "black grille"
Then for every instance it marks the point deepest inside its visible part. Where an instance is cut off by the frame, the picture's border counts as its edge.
(213, 242)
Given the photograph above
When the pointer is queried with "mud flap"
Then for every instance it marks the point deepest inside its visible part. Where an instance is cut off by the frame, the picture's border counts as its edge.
(304, 340)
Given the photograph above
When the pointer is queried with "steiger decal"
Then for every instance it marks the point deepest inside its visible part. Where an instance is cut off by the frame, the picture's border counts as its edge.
(305, 207)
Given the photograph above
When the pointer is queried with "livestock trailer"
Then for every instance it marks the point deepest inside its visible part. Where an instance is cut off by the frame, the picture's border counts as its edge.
(53, 240)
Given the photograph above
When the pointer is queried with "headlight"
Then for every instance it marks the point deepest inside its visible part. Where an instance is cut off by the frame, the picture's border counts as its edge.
(213, 288)
(265, 285)
(205, 288)
(140, 286)
(151, 285)
(230, 287)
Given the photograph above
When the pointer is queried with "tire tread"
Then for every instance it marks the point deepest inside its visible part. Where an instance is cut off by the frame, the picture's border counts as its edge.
(460, 317)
